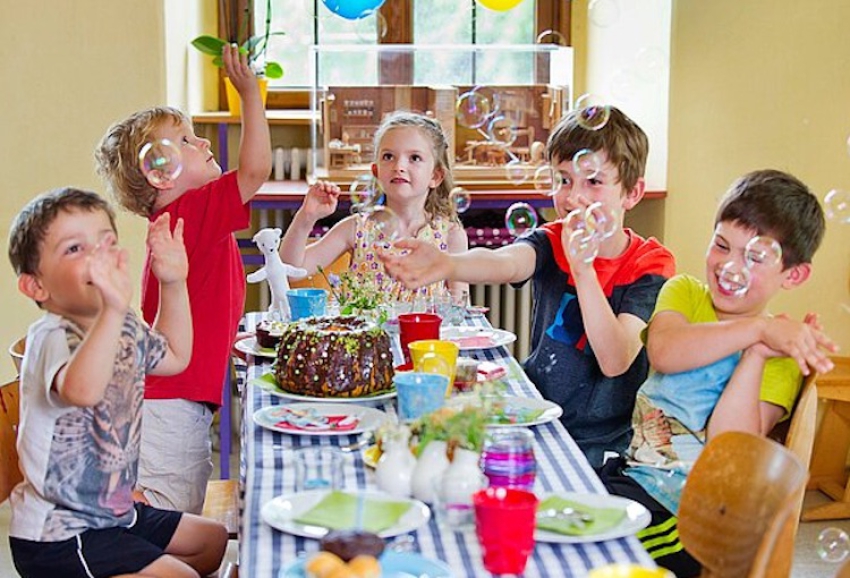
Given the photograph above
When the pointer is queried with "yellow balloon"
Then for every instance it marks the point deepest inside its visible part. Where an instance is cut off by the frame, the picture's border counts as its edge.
(499, 5)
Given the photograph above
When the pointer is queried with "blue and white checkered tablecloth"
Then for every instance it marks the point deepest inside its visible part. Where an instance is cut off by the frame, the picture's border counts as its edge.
(265, 472)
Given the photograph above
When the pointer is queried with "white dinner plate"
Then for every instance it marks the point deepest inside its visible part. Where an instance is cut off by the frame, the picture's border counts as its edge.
(250, 346)
(393, 565)
(368, 418)
(467, 338)
(280, 512)
(509, 406)
(637, 518)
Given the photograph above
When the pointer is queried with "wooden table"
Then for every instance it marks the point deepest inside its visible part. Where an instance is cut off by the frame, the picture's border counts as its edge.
(266, 472)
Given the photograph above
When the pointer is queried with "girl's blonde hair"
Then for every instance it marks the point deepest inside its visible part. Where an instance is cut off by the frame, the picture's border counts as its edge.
(117, 156)
(438, 202)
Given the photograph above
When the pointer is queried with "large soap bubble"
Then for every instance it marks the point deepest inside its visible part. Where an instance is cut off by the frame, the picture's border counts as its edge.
(161, 162)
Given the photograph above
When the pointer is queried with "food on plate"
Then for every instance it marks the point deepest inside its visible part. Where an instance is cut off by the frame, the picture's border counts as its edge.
(269, 332)
(322, 565)
(365, 566)
(348, 544)
(334, 357)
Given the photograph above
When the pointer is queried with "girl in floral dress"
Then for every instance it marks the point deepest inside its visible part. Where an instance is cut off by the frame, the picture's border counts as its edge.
(412, 168)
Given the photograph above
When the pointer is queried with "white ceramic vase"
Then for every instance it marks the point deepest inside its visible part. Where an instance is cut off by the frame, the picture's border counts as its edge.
(462, 478)
(394, 471)
(429, 467)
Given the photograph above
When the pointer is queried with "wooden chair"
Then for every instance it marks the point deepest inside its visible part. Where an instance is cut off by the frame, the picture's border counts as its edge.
(10, 472)
(16, 351)
(737, 499)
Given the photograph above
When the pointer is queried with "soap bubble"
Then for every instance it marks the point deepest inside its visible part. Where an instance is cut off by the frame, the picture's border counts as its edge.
(734, 279)
(575, 220)
(833, 545)
(586, 164)
(551, 37)
(837, 204)
(519, 218)
(161, 162)
(604, 13)
(650, 64)
(492, 97)
(762, 250)
(602, 220)
(461, 199)
(516, 172)
(547, 180)
(584, 245)
(364, 191)
(593, 113)
(431, 362)
(385, 224)
(472, 109)
(501, 131)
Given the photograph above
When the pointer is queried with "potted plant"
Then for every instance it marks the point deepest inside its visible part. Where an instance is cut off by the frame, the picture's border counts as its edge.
(255, 48)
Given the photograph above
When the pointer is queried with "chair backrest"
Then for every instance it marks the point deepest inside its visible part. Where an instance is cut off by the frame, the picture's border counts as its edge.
(737, 499)
(10, 472)
(800, 441)
(16, 351)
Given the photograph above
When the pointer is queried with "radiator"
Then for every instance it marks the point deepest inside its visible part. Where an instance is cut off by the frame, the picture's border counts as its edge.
(510, 309)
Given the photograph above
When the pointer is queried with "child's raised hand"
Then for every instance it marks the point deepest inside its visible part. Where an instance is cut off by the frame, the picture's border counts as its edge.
(109, 273)
(169, 262)
(415, 263)
(804, 341)
(321, 200)
(238, 71)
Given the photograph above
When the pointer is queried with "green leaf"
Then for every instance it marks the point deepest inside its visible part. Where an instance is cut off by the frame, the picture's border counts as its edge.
(209, 45)
(273, 70)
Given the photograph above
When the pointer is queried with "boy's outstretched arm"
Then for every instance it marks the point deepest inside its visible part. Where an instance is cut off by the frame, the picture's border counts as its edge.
(84, 379)
(255, 148)
(170, 265)
(424, 264)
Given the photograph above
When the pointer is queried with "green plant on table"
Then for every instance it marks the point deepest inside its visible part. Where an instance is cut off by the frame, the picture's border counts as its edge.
(463, 427)
(357, 295)
(254, 47)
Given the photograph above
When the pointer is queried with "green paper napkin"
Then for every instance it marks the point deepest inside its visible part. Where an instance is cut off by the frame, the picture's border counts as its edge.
(603, 518)
(266, 381)
(338, 511)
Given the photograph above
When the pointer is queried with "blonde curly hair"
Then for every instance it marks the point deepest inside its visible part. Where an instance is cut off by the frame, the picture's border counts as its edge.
(117, 157)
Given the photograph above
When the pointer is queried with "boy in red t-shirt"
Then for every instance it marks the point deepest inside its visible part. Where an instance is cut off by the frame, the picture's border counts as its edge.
(176, 453)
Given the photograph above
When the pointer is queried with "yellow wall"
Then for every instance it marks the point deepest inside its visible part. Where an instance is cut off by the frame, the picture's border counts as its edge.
(756, 84)
(69, 69)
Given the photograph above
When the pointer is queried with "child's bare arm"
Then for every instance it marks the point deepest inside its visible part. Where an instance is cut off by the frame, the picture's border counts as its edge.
(320, 201)
(174, 318)
(83, 380)
(255, 149)
(458, 242)
(424, 264)
(804, 341)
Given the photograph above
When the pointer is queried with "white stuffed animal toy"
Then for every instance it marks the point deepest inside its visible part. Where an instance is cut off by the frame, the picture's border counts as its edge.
(275, 271)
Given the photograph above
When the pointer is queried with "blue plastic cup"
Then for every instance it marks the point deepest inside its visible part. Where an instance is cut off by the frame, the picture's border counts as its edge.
(419, 393)
(306, 302)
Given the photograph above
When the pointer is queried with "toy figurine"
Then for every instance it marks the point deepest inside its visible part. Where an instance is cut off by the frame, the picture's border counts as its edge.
(275, 271)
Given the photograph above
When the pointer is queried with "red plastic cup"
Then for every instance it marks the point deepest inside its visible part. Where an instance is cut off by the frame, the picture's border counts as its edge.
(504, 523)
(416, 327)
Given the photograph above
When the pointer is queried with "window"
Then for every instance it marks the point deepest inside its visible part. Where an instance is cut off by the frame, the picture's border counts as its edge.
(307, 22)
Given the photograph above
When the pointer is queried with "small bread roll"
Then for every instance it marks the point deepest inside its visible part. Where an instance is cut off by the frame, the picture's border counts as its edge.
(365, 566)
(322, 565)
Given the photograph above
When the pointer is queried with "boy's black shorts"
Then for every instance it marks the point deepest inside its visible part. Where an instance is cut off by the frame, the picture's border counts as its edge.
(661, 538)
(105, 552)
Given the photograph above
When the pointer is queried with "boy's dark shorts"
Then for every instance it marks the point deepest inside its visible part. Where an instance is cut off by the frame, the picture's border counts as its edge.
(661, 538)
(104, 552)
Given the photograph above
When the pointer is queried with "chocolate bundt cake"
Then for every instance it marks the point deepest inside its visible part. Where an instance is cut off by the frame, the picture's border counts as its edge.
(334, 357)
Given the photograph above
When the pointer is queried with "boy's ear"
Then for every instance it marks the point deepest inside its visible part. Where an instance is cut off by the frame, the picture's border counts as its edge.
(634, 196)
(797, 275)
(30, 286)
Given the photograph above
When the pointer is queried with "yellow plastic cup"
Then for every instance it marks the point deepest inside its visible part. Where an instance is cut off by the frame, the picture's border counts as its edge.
(629, 571)
(443, 351)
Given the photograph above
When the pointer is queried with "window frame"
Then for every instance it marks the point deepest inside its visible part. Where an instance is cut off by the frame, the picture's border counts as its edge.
(232, 14)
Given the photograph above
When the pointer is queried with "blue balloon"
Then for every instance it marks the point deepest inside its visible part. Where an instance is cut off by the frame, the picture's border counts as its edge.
(353, 9)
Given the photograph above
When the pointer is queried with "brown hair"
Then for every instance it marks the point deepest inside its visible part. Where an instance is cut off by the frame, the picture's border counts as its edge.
(779, 205)
(117, 157)
(31, 224)
(620, 138)
(438, 202)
